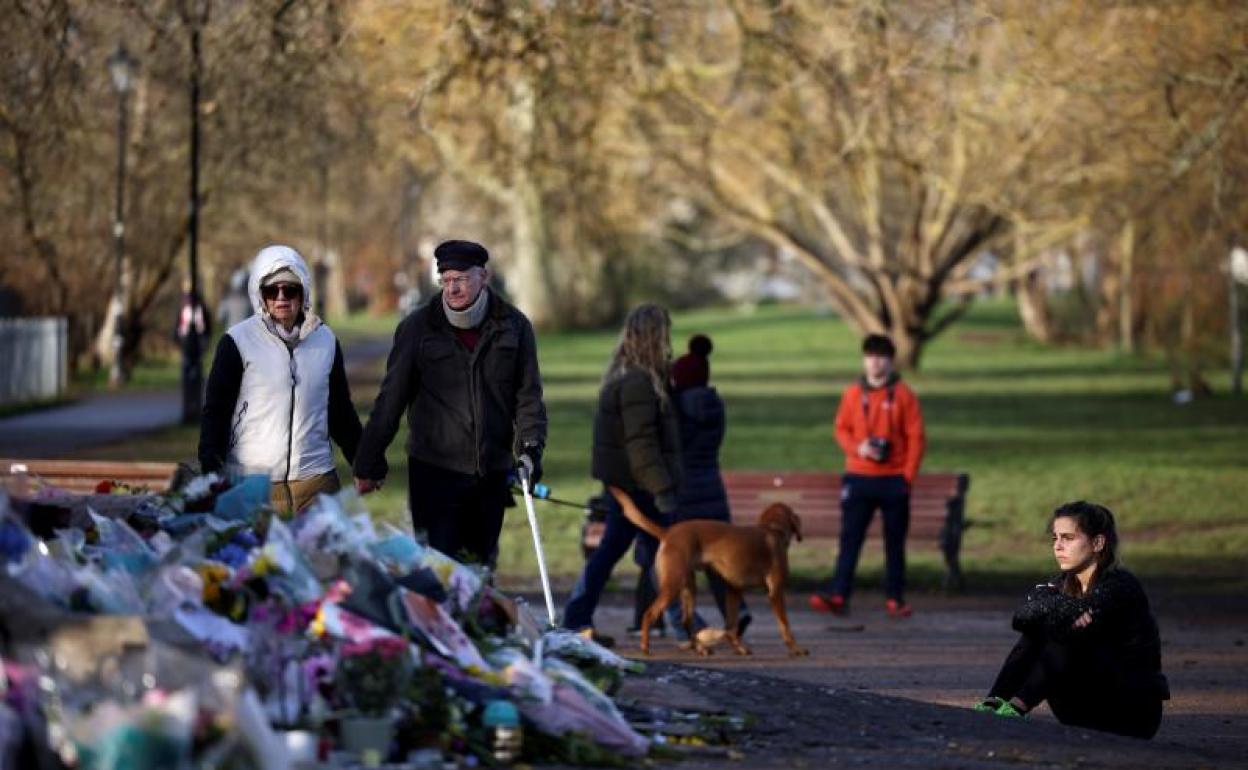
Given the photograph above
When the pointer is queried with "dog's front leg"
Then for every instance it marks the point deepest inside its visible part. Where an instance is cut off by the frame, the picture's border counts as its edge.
(647, 620)
(732, 612)
(775, 593)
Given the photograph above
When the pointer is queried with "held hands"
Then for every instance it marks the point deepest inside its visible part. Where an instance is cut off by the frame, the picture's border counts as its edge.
(1084, 620)
(364, 486)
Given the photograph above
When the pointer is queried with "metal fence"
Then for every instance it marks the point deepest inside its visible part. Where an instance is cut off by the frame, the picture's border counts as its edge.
(33, 359)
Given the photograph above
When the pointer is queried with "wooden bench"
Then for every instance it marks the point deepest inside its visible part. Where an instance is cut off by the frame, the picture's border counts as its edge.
(82, 476)
(937, 509)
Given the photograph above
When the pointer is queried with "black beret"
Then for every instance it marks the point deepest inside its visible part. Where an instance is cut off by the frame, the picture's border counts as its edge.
(460, 255)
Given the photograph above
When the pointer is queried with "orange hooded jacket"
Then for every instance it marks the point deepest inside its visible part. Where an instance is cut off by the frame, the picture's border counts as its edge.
(896, 418)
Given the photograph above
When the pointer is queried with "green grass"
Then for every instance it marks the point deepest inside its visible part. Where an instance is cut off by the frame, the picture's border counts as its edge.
(156, 373)
(1033, 425)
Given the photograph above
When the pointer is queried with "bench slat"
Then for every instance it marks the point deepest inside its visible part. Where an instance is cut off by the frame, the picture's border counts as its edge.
(83, 475)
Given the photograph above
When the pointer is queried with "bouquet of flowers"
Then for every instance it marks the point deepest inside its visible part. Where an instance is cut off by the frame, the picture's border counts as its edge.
(372, 676)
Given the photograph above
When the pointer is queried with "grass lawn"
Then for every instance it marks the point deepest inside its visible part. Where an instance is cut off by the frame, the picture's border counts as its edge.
(1033, 425)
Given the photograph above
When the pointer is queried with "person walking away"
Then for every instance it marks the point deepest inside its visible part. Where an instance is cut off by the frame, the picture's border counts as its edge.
(464, 368)
(1089, 643)
(879, 427)
(703, 425)
(277, 392)
(636, 447)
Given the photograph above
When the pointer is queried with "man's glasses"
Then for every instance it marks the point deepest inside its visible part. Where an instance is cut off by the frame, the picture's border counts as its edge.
(283, 290)
(457, 282)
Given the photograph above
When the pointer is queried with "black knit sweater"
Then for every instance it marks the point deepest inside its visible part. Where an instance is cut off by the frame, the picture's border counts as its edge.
(1121, 624)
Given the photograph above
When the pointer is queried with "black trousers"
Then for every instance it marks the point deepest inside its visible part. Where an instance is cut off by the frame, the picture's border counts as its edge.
(860, 497)
(1083, 685)
(462, 514)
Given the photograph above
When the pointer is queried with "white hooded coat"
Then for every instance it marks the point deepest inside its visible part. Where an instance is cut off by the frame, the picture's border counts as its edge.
(280, 426)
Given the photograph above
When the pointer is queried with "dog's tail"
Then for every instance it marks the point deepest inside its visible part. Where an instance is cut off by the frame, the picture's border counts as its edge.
(634, 514)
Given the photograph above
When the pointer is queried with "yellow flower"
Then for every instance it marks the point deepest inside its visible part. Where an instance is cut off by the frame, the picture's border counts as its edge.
(317, 627)
(263, 564)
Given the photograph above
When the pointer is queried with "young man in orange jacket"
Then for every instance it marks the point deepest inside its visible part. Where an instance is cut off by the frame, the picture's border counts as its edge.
(880, 428)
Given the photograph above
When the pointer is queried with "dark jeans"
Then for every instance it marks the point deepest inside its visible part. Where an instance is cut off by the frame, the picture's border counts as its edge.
(461, 513)
(860, 497)
(616, 539)
(1082, 684)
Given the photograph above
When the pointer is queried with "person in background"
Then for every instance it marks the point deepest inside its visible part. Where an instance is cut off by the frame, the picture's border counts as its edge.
(192, 324)
(1090, 645)
(636, 447)
(277, 392)
(879, 427)
(464, 368)
(235, 305)
(702, 494)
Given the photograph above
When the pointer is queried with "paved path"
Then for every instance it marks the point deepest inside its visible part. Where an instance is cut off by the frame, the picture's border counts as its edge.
(949, 652)
(107, 417)
(100, 418)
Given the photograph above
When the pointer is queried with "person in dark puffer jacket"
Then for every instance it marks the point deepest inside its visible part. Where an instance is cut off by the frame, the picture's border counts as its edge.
(702, 494)
(636, 447)
(1090, 645)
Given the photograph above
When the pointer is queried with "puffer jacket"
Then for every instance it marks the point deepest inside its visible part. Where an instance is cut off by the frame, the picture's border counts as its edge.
(636, 436)
(468, 411)
(270, 408)
(702, 427)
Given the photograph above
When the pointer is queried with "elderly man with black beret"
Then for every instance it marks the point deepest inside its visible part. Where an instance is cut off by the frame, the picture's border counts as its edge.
(464, 367)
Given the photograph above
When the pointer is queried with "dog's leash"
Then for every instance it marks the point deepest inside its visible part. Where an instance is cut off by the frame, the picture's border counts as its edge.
(542, 492)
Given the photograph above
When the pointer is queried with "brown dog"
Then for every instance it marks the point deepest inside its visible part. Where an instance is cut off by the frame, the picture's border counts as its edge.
(745, 557)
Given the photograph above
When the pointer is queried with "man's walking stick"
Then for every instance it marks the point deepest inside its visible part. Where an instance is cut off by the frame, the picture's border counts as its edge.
(537, 543)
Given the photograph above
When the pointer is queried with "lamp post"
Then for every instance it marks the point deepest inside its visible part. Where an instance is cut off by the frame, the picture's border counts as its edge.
(192, 354)
(121, 66)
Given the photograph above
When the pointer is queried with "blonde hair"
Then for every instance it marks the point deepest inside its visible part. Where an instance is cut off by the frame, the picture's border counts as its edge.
(645, 343)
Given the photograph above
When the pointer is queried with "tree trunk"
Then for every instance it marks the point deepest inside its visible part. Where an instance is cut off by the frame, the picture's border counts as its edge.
(1033, 309)
(909, 349)
(1126, 312)
(528, 280)
(1237, 329)
(1108, 297)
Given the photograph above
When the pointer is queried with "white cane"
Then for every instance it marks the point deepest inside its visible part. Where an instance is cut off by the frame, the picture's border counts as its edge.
(537, 543)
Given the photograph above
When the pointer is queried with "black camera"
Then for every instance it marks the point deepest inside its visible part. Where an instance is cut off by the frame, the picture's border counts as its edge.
(880, 446)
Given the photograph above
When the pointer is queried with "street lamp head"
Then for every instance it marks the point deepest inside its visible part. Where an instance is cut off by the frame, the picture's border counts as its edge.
(122, 66)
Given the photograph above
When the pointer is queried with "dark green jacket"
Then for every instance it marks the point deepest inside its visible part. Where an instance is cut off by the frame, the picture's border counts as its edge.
(467, 411)
(636, 437)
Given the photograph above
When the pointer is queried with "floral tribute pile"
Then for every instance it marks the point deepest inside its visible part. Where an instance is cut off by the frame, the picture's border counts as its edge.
(199, 629)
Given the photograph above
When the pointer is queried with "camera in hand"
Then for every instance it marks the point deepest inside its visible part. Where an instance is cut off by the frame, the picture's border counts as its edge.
(880, 446)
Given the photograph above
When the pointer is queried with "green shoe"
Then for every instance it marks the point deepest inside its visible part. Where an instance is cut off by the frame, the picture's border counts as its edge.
(988, 705)
(1008, 710)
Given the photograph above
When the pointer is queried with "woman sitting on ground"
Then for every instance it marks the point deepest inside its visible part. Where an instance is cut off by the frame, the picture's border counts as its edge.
(1089, 645)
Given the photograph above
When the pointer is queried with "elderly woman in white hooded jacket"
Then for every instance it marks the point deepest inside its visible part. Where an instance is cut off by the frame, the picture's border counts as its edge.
(278, 391)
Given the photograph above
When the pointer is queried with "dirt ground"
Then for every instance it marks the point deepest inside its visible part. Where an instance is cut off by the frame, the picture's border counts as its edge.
(876, 692)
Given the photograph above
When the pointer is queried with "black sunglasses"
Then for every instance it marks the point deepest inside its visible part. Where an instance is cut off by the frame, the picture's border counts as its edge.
(285, 290)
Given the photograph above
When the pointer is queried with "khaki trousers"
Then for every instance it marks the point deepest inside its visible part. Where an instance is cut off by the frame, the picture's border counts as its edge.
(290, 497)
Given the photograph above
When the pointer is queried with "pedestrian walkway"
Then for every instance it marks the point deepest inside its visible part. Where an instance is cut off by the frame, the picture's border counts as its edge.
(97, 419)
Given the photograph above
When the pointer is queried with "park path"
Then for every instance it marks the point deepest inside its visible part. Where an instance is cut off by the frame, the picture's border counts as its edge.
(109, 417)
(931, 667)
